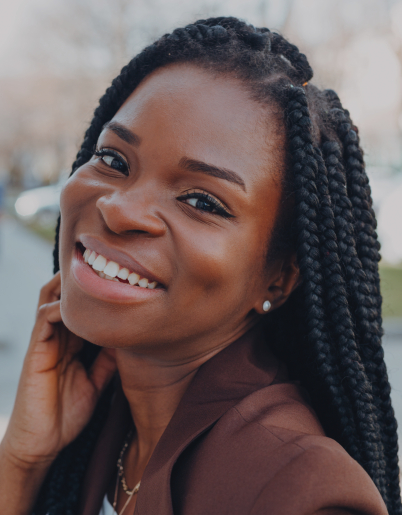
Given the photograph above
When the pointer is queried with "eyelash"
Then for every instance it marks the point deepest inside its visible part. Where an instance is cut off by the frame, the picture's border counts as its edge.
(218, 206)
(206, 197)
(102, 152)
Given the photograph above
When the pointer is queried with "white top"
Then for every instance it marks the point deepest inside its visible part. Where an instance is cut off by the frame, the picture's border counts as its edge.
(107, 508)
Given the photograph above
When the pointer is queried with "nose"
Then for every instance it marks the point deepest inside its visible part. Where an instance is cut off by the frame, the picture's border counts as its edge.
(131, 211)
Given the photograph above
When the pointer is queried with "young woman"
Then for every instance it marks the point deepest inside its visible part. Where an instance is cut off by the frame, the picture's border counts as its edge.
(217, 244)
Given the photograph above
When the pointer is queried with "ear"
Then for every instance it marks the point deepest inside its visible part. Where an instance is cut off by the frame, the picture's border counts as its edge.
(281, 280)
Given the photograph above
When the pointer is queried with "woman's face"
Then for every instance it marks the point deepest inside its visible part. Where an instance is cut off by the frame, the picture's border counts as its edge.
(183, 190)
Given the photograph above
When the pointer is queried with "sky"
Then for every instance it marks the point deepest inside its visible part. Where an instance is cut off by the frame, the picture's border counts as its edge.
(18, 17)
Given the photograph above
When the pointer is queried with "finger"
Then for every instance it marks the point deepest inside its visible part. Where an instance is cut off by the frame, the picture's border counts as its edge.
(53, 312)
(50, 291)
(52, 344)
(44, 351)
(103, 369)
(47, 316)
(49, 312)
(49, 322)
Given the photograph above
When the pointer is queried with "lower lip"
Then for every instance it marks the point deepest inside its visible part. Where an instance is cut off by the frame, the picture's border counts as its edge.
(105, 289)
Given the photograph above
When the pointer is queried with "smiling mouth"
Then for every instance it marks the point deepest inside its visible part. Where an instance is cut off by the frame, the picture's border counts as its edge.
(112, 271)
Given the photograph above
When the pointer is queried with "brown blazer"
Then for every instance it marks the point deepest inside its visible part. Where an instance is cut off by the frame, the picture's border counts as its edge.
(243, 441)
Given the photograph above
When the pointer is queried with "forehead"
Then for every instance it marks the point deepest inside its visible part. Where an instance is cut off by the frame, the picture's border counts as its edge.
(194, 112)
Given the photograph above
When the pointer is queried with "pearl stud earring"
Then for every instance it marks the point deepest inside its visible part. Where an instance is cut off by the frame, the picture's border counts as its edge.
(266, 306)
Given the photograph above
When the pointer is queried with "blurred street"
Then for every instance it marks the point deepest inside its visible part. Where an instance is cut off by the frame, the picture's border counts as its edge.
(26, 264)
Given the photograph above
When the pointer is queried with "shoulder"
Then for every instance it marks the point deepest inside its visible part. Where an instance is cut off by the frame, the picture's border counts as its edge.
(317, 476)
(282, 405)
(270, 450)
(314, 470)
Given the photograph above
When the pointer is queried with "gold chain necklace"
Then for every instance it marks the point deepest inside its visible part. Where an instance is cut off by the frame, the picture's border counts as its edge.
(120, 476)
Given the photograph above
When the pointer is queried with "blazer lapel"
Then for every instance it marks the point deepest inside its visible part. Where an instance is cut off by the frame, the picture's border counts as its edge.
(237, 371)
(240, 369)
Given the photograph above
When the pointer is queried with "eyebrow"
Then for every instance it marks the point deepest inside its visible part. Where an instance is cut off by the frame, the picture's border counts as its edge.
(123, 133)
(193, 165)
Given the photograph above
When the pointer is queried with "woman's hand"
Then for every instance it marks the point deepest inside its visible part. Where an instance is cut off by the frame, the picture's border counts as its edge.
(56, 395)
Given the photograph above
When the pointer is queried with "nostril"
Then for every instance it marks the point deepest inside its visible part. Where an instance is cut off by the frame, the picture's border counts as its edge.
(137, 231)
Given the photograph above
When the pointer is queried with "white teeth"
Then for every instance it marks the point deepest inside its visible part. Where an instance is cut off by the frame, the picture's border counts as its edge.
(111, 269)
(92, 258)
(123, 273)
(87, 253)
(133, 278)
(110, 278)
(99, 263)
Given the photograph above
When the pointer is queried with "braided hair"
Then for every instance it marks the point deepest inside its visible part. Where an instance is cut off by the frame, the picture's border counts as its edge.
(335, 334)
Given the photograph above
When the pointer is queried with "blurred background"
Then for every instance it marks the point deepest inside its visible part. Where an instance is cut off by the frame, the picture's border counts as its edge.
(58, 56)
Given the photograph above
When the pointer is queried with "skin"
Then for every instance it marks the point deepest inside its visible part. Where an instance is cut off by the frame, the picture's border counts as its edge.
(213, 269)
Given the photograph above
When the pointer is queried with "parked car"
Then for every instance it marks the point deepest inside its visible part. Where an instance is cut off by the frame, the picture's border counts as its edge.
(39, 205)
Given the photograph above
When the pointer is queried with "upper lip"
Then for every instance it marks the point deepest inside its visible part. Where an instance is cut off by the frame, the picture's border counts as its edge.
(118, 256)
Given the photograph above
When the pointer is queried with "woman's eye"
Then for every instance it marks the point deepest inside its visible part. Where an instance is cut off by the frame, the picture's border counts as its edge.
(113, 160)
(204, 202)
(204, 205)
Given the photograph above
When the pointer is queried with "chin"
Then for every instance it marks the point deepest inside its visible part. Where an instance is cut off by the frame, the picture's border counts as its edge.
(98, 327)
(84, 320)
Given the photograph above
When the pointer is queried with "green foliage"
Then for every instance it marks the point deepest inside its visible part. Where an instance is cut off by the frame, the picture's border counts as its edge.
(391, 289)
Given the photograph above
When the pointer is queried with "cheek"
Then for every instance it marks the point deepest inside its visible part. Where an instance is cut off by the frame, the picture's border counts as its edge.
(228, 261)
(230, 267)
(77, 199)
(220, 267)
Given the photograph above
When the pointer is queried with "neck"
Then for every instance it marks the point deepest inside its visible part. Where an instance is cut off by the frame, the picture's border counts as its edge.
(154, 389)
(154, 386)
